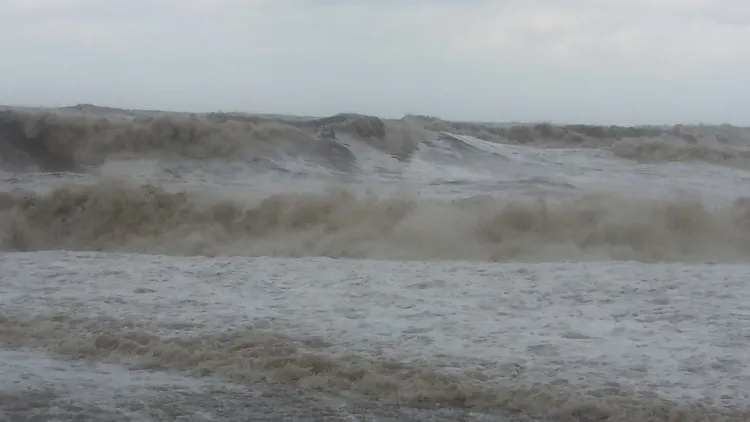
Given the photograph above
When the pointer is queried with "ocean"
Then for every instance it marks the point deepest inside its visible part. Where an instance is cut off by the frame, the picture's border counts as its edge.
(226, 266)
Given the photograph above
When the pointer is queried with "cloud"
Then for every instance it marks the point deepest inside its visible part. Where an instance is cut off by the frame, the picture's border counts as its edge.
(521, 59)
(626, 32)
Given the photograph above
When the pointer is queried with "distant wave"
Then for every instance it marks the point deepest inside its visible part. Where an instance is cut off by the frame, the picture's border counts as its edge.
(113, 216)
(71, 139)
(670, 149)
(64, 141)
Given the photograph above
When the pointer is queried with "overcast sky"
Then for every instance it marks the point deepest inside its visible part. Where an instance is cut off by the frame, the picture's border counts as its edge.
(588, 61)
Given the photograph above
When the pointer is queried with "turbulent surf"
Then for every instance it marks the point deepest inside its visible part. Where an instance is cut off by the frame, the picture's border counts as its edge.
(483, 263)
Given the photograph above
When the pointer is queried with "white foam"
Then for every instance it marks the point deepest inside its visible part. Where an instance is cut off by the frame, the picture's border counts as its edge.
(86, 382)
(491, 171)
(594, 170)
(676, 330)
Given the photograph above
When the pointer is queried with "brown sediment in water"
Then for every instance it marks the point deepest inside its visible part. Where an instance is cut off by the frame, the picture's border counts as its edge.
(249, 356)
(114, 216)
(71, 138)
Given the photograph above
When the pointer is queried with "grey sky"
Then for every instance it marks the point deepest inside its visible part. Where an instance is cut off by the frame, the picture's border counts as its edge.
(591, 61)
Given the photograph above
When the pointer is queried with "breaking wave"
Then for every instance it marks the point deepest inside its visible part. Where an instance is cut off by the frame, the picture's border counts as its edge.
(114, 216)
(665, 149)
(72, 139)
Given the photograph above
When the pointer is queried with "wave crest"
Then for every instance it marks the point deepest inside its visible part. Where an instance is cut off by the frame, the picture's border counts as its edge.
(663, 149)
(114, 216)
(70, 141)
